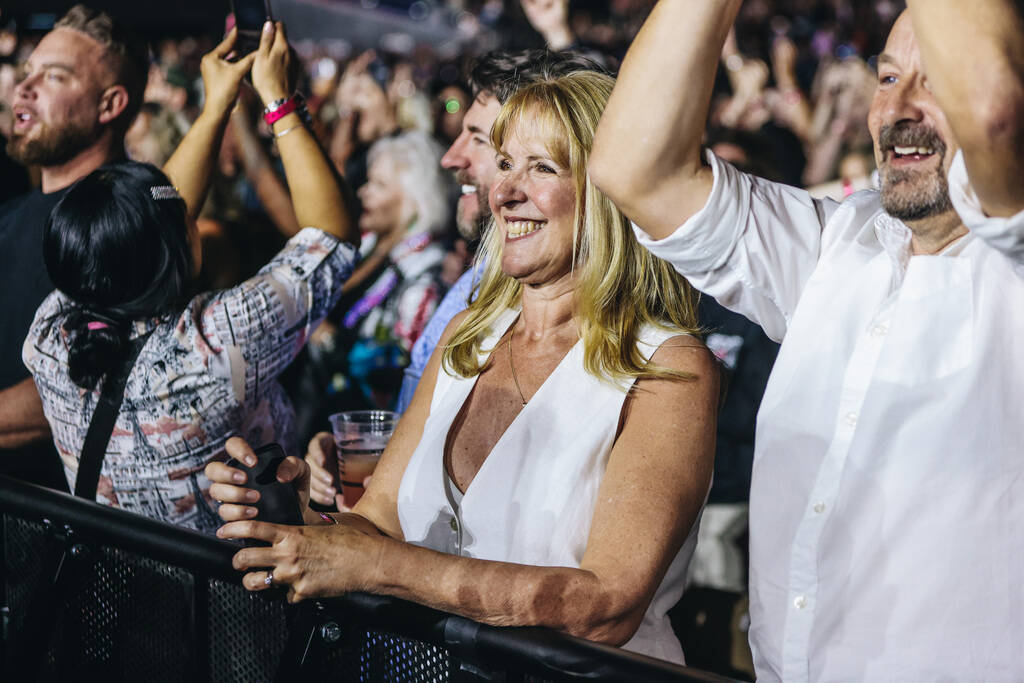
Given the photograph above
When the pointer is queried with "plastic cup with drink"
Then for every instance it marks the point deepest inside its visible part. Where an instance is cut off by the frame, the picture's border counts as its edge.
(360, 437)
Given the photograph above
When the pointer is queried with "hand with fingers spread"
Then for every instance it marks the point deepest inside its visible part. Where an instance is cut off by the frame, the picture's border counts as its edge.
(221, 78)
(228, 483)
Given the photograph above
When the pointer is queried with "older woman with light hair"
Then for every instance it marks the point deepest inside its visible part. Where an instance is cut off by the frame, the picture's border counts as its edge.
(405, 208)
(555, 458)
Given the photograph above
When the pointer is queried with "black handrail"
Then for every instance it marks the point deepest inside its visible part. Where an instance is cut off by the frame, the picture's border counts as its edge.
(532, 650)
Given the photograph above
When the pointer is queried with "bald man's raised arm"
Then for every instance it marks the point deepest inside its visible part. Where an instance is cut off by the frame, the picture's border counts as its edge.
(646, 154)
(974, 57)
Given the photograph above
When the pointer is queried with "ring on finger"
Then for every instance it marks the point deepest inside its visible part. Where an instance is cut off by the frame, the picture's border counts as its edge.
(269, 581)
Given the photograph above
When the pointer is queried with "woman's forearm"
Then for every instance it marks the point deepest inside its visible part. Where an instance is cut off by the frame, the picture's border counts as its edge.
(506, 594)
(319, 195)
(190, 168)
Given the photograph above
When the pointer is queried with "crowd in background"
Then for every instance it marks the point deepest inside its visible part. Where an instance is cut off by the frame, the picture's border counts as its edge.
(790, 104)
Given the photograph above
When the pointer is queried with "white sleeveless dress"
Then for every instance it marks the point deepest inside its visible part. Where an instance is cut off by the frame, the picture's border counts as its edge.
(534, 497)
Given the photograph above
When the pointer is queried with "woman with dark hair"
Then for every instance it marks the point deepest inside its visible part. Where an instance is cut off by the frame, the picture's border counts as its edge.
(123, 250)
(85, 244)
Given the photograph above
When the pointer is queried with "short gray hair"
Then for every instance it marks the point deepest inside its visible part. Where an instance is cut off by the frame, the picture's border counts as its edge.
(417, 160)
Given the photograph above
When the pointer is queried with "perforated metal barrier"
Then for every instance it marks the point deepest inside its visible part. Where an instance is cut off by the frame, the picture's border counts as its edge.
(93, 593)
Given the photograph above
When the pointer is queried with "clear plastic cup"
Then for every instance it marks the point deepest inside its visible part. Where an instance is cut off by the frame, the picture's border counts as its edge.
(360, 436)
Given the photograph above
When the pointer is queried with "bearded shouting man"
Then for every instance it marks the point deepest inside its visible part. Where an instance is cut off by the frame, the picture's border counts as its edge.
(76, 97)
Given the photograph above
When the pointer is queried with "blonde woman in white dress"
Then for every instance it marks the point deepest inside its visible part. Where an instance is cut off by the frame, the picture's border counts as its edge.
(554, 461)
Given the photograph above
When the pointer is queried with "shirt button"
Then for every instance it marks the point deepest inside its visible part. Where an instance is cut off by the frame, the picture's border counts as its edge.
(819, 507)
(879, 330)
(454, 524)
(851, 419)
(800, 602)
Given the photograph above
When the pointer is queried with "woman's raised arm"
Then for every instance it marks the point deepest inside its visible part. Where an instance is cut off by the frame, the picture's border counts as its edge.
(319, 195)
(191, 166)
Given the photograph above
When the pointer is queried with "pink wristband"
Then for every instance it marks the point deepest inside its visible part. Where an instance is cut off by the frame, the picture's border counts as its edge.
(290, 105)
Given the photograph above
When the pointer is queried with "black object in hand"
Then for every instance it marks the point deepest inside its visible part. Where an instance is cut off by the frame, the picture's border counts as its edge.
(278, 503)
(250, 15)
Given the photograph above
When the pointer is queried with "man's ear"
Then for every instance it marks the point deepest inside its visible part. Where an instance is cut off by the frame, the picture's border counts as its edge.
(113, 102)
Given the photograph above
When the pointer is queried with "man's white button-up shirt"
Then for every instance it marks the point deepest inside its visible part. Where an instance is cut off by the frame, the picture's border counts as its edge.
(887, 503)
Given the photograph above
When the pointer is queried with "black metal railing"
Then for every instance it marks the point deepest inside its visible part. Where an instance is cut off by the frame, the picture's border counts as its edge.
(91, 591)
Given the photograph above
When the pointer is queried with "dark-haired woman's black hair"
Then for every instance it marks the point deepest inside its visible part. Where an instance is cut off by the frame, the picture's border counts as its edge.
(119, 254)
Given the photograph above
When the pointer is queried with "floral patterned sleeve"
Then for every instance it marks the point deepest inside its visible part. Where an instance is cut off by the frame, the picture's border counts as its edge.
(256, 329)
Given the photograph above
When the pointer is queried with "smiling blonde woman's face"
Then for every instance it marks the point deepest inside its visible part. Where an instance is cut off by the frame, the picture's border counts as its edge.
(533, 200)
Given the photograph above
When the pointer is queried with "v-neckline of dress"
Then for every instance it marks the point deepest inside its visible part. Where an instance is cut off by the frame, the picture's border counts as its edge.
(511, 316)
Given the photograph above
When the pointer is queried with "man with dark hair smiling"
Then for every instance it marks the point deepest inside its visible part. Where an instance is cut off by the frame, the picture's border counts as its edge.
(888, 482)
(76, 97)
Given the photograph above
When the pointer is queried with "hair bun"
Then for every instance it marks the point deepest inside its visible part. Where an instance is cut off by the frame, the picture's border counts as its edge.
(97, 344)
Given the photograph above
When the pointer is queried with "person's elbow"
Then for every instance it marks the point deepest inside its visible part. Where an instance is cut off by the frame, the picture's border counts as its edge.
(614, 629)
(607, 610)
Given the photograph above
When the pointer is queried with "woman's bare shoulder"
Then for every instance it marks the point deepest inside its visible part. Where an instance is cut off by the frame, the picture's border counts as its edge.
(688, 354)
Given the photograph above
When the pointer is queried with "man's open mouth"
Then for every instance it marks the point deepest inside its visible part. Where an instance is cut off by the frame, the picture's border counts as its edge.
(911, 152)
(22, 118)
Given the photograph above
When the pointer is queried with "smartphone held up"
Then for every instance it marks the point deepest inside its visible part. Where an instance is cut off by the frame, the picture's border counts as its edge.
(250, 15)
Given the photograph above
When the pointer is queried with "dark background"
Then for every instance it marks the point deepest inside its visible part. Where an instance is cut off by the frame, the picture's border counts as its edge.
(361, 23)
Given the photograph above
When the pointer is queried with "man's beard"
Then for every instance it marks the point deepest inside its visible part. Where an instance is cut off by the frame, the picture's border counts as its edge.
(53, 146)
(470, 229)
(912, 195)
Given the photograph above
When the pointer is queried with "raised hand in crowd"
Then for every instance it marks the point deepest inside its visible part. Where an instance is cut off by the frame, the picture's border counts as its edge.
(746, 109)
(786, 101)
(551, 19)
(191, 166)
(320, 200)
(842, 93)
(365, 113)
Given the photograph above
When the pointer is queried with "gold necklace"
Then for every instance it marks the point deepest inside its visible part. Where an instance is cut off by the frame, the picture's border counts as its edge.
(512, 365)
